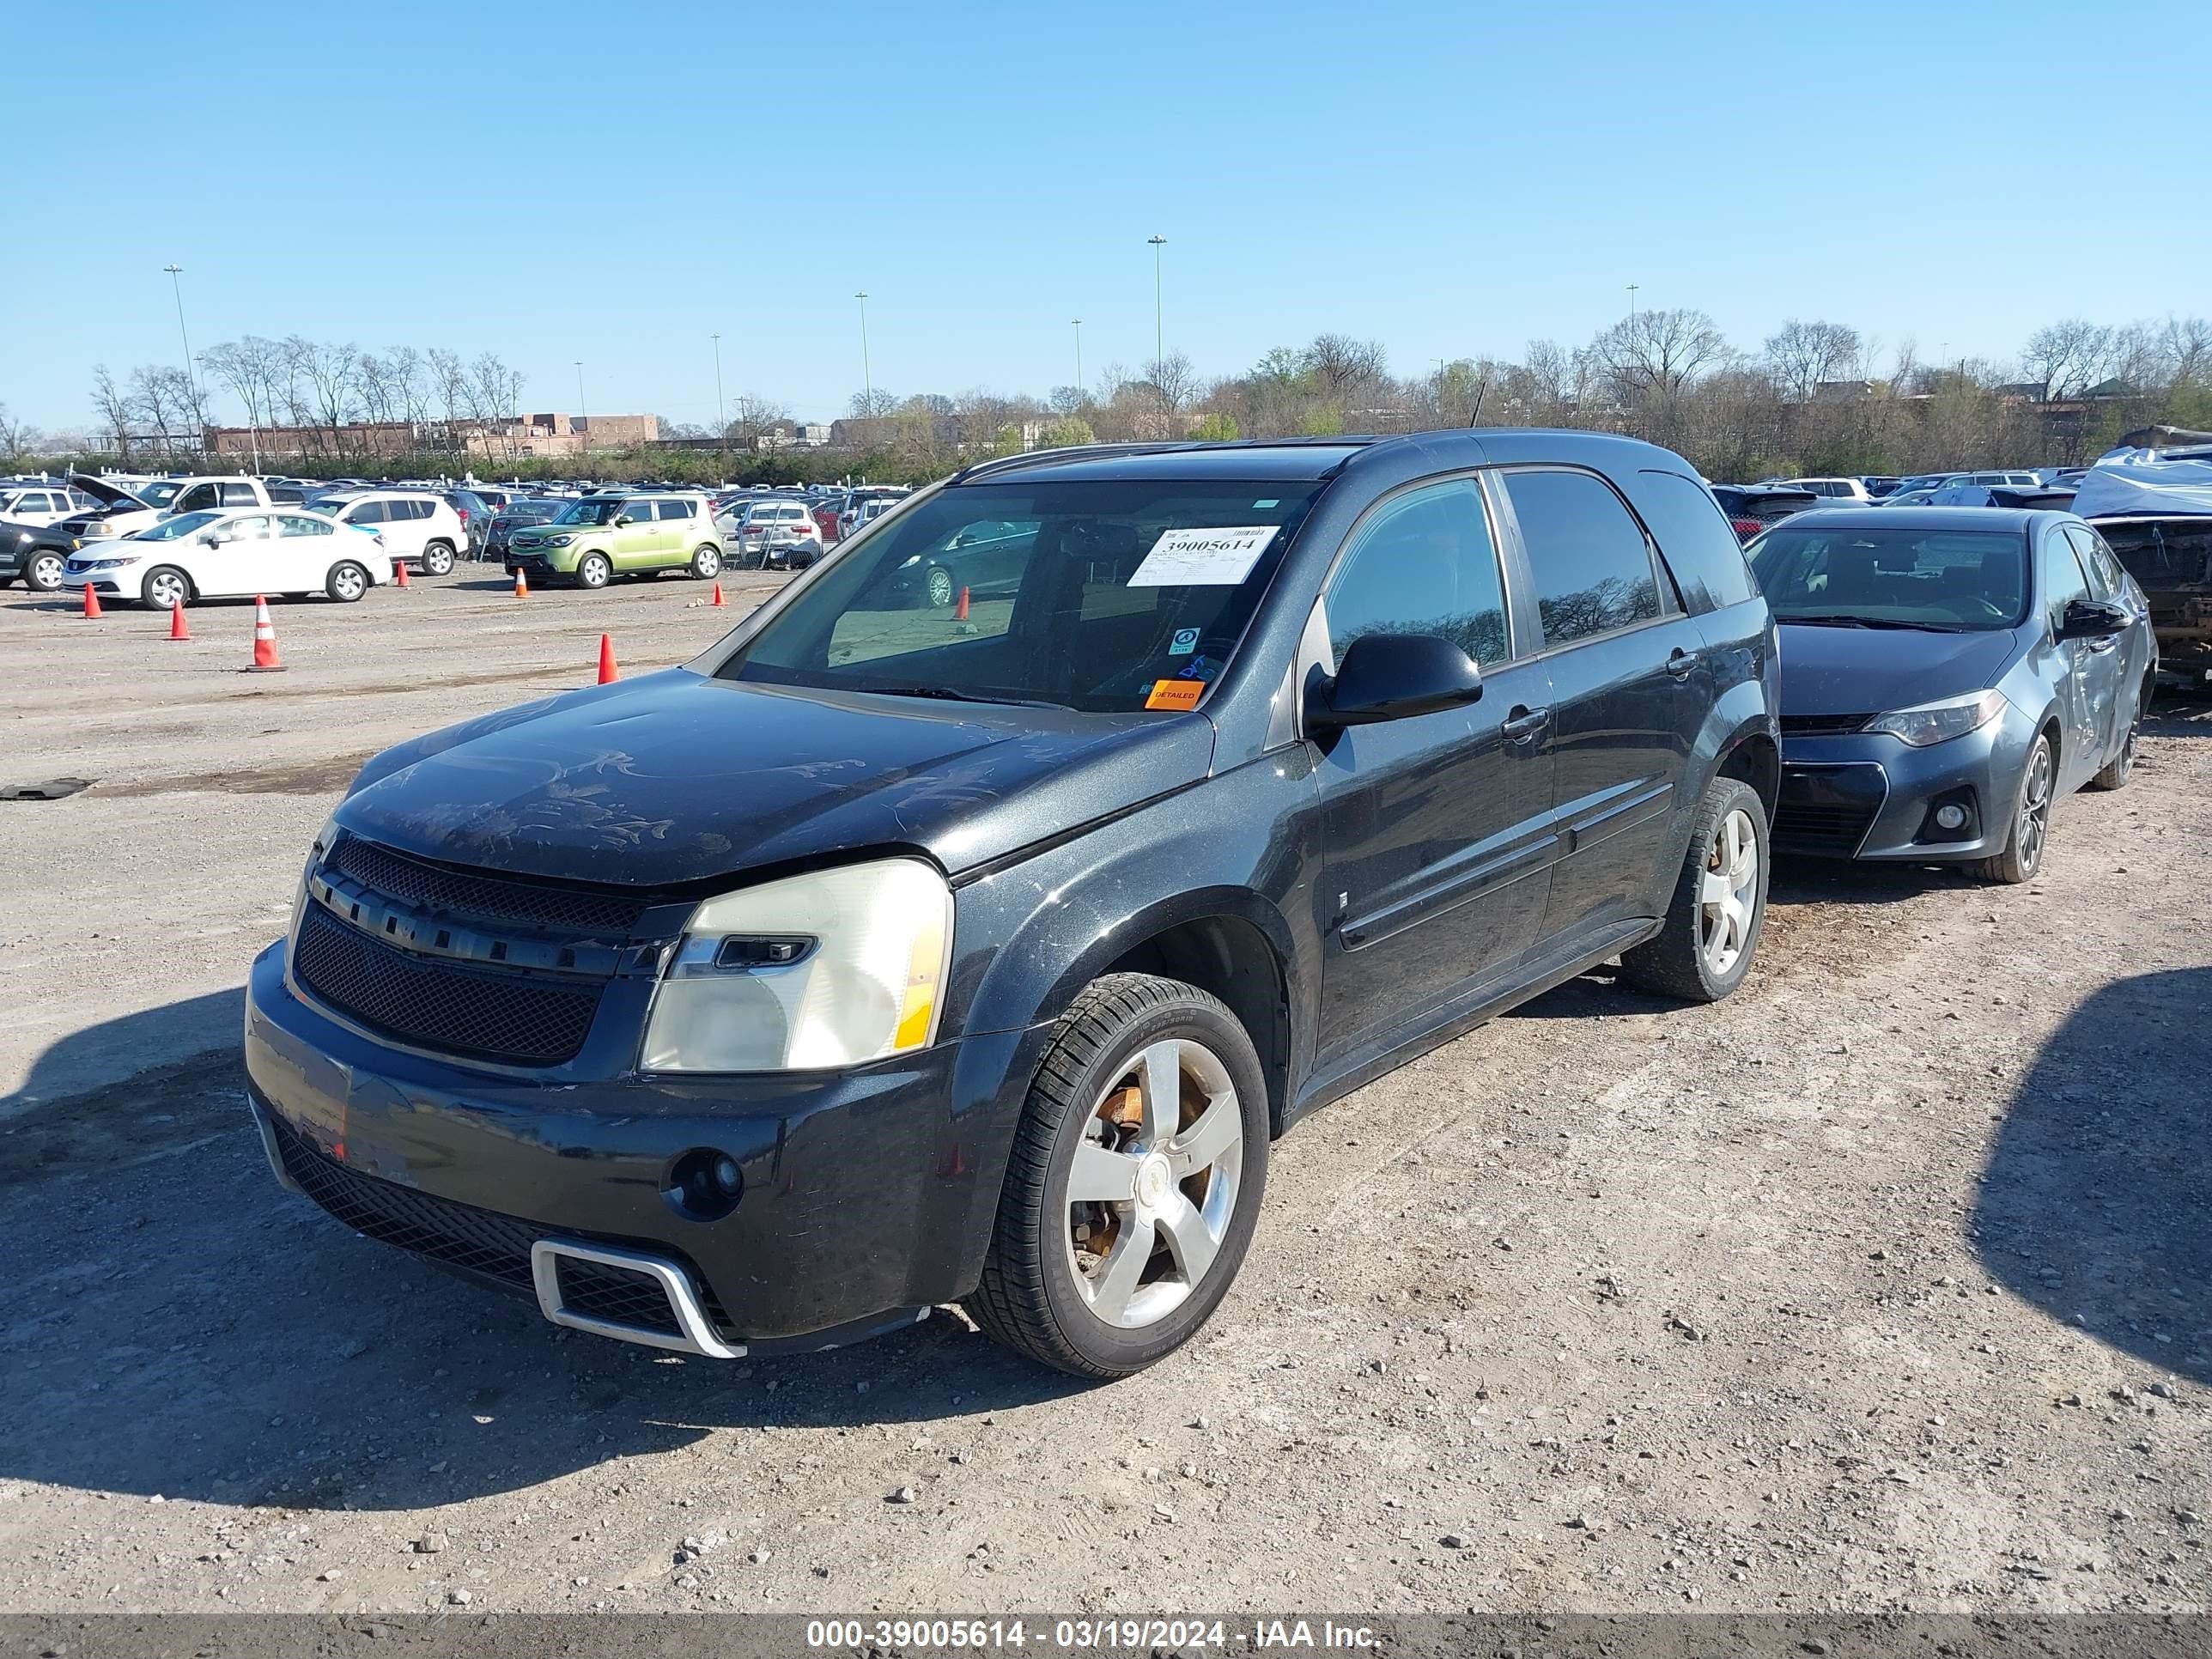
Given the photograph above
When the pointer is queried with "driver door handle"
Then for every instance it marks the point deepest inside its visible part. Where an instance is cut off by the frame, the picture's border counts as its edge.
(1681, 662)
(1524, 723)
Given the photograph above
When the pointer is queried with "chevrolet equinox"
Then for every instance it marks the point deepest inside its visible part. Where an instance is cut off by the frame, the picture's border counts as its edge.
(970, 935)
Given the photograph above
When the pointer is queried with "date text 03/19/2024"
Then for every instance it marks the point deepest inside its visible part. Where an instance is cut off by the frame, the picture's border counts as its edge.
(1084, 1635)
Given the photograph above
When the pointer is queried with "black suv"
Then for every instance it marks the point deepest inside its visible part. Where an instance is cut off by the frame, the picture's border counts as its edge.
(908, 948)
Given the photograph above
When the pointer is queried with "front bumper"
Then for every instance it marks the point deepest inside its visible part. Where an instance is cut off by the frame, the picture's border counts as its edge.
(542, 560)
(108, 584)
(868, 1195)
(1871, 797)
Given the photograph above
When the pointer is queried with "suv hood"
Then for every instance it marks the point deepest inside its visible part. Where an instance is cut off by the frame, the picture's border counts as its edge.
(676, 778)
(1870, 671)
(106, 493)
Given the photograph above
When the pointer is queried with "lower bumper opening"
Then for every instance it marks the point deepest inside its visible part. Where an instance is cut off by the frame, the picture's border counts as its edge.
(625, 1294)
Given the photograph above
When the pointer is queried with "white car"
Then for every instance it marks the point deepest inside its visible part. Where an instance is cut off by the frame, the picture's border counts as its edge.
(210, 555)
(1837, 492)
(781, 532)
(418, 528)
(40, 504)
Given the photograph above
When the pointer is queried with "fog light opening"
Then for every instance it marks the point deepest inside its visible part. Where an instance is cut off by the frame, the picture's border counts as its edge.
(704, 1184)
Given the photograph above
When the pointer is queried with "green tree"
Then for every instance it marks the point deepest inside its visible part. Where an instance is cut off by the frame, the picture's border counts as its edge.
(1216, 429)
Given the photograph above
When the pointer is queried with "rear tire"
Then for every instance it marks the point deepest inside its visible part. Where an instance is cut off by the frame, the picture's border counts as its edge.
(2123, 765)
(1705, 946)
(438, 559)
(592, 570)
(2029, 836)
(1194, 1166)
(706, 563)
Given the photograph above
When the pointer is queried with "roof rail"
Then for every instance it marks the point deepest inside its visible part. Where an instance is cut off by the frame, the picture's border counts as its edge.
(1172, 446)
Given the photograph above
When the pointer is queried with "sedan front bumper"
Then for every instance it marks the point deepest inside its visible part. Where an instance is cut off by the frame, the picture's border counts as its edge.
(1870, 796)
(867, 1196)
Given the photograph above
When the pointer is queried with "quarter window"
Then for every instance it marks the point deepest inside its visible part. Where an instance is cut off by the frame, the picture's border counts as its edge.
(1586, 557)
(675, 509)
(303, 524)
(1424, 563)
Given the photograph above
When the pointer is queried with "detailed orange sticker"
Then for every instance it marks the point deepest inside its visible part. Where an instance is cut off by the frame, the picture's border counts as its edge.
(1176, 694)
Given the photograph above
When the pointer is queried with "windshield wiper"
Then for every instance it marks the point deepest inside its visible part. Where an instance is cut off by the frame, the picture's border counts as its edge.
(945, 693)
(1872, 622)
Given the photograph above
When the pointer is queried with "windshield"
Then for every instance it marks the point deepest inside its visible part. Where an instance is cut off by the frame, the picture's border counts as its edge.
(1099, 596)
(594, 510)
(158, 494)
(183, 525)
(1942, 579)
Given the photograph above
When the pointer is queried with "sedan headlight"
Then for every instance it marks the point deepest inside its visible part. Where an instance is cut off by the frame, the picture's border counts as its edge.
(1938, 722)
(818, 971)
(105, 564)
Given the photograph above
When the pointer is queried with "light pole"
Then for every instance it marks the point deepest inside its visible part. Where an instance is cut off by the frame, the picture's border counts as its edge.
(583, 415)
(1159, 332)
(1632, 305)
(1078, 353)
(867, 374)
(721, 419)
(191, 382)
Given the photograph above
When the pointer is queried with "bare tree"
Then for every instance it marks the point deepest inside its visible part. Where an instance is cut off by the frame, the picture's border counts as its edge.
(113, 408)
(1347, 369)
(252, 369)
(373, 383)
(403, 366)
(872, 405)
(1175, 382)
(450, 390)
(17, 438)
(330, 375)
(2066, 359)
(1655, 354)
(1800, 355)
(161, 397)
(752, 417)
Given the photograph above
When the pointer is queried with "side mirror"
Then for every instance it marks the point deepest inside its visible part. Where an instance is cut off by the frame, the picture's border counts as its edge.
(212, 540)
(1394, 676)
(622, 518)
(2092, 619)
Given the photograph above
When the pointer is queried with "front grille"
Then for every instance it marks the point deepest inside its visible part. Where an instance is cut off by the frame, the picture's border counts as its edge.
(521, 1019)
(1822, 726)
(483, 1241)
(1829, 831)
(490, 898)
(599, 1291)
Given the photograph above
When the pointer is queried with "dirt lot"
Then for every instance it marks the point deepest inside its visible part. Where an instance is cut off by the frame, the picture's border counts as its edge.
(1886, 1284)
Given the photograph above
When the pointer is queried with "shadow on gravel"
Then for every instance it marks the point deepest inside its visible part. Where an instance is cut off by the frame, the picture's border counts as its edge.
(93, 1056)
(177, 1324)
(2096, 1201)
(1836, 881)
(2186, 715)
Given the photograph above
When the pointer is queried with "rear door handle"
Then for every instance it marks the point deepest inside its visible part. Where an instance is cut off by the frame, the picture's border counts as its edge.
(1681, 662)
(1524, 724)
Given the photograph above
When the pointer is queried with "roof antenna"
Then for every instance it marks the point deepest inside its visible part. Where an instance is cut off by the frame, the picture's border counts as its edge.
(1481, 391)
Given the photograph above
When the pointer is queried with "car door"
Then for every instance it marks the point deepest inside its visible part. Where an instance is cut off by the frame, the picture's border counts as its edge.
(1437, 828)
(636, 543)
(1628, 692)
(679, 523)
(2092, 666)
(306, 546)
(230, 559)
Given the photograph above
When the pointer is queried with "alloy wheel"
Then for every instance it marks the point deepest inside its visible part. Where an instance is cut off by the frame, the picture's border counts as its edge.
(1728, 893)
(2034, 826)
(1153, 1187)
(45, 572)
(940, 587)
(349, 583)
(166, 588)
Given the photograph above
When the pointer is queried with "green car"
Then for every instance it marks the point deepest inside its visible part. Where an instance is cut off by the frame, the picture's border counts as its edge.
(603, 537)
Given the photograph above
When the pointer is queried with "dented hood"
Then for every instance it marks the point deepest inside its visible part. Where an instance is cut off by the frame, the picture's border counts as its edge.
(677, 778)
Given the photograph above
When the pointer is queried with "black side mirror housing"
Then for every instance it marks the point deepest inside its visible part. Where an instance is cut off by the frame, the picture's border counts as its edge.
(1394, 676)
(2092, 619)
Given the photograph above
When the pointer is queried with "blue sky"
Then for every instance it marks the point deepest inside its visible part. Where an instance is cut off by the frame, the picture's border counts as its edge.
(562, 181)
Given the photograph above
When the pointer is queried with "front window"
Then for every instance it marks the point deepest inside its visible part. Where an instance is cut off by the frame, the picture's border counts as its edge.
(1104, 596)
(1948, 581)
(593, 511)
(161, 493)
(184, 524)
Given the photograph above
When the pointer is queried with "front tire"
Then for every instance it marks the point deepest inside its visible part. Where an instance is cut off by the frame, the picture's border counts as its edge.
(164, 586)
(1705, 946)
(348, 581)
(1135, 1181)
(592, 570)
(2030, 820)
(706, 563)
(937, 587)
(438, 559)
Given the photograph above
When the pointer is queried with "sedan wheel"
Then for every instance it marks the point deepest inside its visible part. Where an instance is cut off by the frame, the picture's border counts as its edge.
(2116, 773)
(44, 572)
(2030, 820)
(166, 587)
(939, 586)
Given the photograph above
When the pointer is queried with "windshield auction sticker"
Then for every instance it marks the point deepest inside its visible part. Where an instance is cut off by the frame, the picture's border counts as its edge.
(1175, 693)
(1203, 558)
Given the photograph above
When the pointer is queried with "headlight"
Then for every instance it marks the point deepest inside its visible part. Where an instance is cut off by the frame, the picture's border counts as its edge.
(558, 541)
(1937, 722)
(819, 971)
(107, 564)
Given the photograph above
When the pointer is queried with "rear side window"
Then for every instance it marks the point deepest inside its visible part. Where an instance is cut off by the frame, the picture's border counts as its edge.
(675, 509)
(1586, 557)
(1422, 563)
(239, 494)
(1699, 547)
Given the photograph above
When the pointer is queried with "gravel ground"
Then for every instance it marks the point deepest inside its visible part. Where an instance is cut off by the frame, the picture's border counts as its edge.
(1885, 1285)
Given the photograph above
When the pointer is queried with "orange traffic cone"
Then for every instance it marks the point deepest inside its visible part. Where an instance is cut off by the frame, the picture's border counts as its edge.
(608, 674)
(961, 615)
(718, 594)
(177, 628)
(399, 573)
(91, 601)
(266, 659)
(521, 584)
